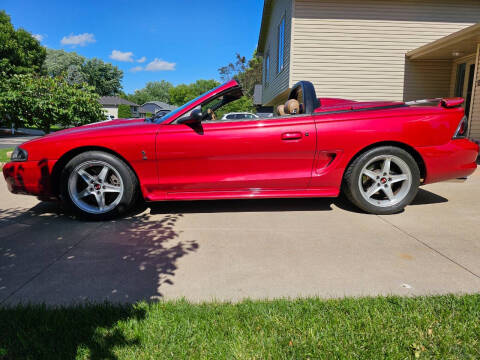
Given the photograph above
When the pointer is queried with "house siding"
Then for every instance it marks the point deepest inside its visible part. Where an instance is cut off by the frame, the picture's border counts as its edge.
(356, 49)
(111, 110)
(279, 82)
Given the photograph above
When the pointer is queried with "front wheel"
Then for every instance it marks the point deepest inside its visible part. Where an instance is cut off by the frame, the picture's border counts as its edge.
(382, 180)
(98, 186)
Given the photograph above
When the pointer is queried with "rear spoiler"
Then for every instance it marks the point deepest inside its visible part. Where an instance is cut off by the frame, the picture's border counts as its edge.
(448, 103)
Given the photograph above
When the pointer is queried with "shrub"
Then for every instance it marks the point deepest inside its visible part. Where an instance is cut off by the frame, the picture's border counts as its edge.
(124, 111)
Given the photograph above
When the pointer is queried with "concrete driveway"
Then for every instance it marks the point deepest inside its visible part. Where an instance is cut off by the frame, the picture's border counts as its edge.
(229, 250)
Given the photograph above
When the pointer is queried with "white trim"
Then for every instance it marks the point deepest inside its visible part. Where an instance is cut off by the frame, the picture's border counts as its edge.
(292, 49)
(472, 102)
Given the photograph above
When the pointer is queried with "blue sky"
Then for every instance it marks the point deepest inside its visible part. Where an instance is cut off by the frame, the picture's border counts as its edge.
(177, 40)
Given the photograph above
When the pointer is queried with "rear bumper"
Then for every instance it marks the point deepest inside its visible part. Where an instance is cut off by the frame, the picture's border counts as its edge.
(456, 159)
(29, 177)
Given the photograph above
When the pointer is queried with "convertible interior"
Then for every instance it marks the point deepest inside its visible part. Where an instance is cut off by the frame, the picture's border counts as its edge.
(301, 100)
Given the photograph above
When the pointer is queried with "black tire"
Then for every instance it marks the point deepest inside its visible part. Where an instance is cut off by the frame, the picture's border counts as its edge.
(353, 175)
(129, 182)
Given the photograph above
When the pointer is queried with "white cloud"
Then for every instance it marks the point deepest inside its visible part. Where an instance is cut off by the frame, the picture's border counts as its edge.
(142, 59)
(160, 65)
(121, 56)
(80, 39)
(136, 69)
(39, 37)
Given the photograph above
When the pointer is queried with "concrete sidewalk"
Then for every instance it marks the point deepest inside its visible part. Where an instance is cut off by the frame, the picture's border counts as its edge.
(230, 250)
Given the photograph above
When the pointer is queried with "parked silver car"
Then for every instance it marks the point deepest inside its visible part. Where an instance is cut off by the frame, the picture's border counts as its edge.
(239, 115)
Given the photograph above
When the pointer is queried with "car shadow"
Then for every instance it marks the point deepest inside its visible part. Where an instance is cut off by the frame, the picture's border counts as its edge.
(244, 205)
(424, 197)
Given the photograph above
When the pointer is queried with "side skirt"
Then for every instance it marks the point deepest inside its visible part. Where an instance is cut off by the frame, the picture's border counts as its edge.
(245, 194)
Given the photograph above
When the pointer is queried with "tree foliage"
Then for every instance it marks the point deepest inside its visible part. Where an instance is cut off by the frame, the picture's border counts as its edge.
(247, 73)
(153, 91)
(104, 77)
(44, 101)
(183, 93)
(244, 104)
(20, 52)
(124, 111)
(76, 69)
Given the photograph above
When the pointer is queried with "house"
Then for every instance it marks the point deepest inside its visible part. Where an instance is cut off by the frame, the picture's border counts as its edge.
(154, 107)
(110, 106)
(373, 49)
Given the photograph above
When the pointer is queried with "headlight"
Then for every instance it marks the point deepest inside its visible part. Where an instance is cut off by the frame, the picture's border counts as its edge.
(19, 155)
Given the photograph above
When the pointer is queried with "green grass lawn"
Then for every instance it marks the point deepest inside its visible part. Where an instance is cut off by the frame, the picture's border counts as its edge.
(3, 155)
(441, 327)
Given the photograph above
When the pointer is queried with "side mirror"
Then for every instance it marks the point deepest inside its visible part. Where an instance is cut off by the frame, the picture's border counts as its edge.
(195, 117)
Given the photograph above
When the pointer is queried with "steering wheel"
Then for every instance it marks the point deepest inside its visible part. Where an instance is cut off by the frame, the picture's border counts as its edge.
(212, 115)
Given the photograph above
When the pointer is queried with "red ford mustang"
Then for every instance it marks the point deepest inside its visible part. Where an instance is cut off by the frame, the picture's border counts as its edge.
(377, 153)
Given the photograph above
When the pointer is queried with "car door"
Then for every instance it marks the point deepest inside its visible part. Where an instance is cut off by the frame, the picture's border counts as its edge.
(233, 155)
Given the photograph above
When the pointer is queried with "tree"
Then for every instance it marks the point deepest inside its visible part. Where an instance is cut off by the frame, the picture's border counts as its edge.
(65, 64)
(247, 73)
(183, 93)
(153, 91)
(104, 77)
(44, 101)
(244, 104)
(124, 111)
(76, 69)
(20, 52)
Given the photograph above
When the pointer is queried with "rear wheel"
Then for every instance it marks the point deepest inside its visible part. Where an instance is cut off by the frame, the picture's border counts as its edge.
(382, 180)
(98, 186)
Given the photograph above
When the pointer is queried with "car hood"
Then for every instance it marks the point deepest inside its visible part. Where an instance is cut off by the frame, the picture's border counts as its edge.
(102, 125)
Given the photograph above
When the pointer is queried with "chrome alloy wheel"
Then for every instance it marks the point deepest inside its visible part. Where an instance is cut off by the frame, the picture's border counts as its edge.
(385, 180)
(95, 187)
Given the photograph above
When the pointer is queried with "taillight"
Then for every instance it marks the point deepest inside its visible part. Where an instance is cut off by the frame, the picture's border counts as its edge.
(461, 129)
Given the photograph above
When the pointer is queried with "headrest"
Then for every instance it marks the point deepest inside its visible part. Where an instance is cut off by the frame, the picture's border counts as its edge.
(292, 107)
(281, 110)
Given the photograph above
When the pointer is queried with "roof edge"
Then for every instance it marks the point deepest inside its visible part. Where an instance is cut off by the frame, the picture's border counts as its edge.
(267, 7)
(444, 41)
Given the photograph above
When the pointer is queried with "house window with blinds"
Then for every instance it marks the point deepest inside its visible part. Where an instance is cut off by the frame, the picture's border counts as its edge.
(267, 69)
(281, 45)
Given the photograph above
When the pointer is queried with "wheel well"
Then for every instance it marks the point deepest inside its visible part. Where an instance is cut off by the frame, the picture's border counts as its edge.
(416, 156)
(65, 158)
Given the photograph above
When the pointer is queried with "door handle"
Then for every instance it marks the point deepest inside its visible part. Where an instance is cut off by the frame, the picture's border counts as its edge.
(292, 136)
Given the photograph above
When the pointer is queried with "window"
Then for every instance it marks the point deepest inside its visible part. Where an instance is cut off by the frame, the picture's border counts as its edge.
(267, 68)
(281, 44)
(461, 70)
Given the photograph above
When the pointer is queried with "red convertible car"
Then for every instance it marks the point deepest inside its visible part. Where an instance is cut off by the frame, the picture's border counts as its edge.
(377, 153)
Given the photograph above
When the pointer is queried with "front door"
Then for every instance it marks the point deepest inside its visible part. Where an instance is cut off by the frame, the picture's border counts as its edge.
(464, 83)
(246, 155)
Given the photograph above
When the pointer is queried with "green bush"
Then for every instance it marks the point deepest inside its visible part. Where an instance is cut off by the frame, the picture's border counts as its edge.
(42, 102)
(124, 111)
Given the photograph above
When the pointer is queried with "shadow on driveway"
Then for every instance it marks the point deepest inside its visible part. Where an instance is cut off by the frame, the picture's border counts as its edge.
(424, 197)
(48, 257)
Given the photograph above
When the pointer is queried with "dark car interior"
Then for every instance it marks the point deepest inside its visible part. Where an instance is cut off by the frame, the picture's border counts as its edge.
(301, 100)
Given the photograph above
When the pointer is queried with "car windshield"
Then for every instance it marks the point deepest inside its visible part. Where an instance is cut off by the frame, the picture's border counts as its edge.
(183, 107)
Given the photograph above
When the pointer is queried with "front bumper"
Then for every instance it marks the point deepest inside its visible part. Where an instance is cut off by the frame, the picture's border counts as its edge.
(456, 159)
(29, 177)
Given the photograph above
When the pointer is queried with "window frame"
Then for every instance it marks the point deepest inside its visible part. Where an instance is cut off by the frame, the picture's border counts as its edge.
(281, 28)
(267, 68)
